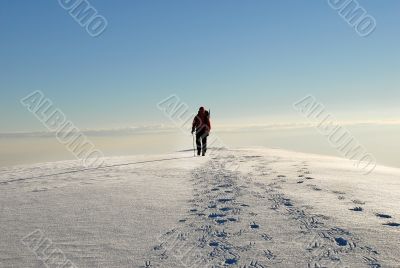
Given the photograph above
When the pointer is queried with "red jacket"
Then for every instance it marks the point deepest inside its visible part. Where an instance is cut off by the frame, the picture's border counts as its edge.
(201, 123)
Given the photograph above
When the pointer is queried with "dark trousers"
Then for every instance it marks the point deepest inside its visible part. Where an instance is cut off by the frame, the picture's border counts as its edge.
(201, 142)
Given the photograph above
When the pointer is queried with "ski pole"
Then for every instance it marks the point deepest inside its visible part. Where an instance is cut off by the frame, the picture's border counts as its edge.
(194, 149)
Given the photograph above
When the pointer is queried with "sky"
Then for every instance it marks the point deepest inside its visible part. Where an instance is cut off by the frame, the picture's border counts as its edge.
(246, 60)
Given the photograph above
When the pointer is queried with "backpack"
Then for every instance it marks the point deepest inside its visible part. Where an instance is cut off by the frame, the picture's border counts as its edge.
(208, 113)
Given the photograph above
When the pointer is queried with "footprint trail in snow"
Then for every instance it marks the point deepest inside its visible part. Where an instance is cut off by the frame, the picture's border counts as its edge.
(234, 221)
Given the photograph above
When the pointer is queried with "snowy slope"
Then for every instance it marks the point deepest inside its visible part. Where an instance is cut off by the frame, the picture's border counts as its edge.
(244, 208)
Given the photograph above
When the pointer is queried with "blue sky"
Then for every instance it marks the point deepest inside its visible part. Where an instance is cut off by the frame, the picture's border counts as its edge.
(243, 59)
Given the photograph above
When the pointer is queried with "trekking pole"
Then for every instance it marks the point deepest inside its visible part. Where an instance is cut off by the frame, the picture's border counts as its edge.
(194, 149)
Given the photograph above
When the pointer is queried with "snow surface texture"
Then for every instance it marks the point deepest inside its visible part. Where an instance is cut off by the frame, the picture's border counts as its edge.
(241, 208)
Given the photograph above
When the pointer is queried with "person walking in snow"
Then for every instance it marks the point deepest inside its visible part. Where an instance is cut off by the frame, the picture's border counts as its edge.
(202, 126)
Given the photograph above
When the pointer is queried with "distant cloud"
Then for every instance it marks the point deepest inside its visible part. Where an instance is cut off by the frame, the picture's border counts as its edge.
(160, 129)
(152, 129)
(300, 125)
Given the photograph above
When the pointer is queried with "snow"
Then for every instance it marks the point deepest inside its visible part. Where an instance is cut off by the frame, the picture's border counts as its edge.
(251, 207)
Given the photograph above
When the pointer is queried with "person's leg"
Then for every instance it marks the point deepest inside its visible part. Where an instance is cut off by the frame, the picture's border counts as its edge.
(198, 143)
(204, 142)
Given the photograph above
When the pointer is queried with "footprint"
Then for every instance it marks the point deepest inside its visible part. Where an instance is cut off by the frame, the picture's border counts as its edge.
(392, 224)
(221, 234)
(215, 215)
(372, 262)
(224, 186)
(224, 200)
(269, 255)
(358, 202)
(288, 204)
(274, 206)
(36, 190)
(230, 261)
(358, 209)
(254, 226)
(341, 241)
(221, 221)
(266, 237)
(314, 264)
(384, 216)
(213, 244)
(338, 192)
